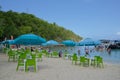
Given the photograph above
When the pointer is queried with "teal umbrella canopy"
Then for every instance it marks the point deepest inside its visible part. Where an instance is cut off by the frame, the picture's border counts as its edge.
(29, 39)
(3, 42)
(88, 42)
(69, 43)
(97, 42)
(8, 42)
(52, 42)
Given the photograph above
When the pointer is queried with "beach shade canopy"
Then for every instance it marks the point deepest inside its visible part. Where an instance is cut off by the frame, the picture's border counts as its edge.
(88, 42)
(8, 42)
(68, 43)
(97, 42)
(3, 42)
(52, 42)
(29, 39)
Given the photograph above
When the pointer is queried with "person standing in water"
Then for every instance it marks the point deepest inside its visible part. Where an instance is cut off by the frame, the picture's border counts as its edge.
(109, 50)
(86, 52)
(78, 52)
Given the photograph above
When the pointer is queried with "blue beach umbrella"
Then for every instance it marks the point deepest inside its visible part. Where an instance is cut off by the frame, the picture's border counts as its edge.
(97, 42)
(68, 43)
(8, 42)
(3, 42)
(29, 39)
(52, 42)
(44, 44)
(88, 42)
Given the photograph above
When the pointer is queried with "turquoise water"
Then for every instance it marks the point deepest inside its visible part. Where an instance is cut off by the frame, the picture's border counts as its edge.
(113, 57)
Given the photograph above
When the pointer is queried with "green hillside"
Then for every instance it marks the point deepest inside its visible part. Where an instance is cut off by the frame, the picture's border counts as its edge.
(15, 24)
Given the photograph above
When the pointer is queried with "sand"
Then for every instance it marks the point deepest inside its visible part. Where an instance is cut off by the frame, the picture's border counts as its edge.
(58, 69)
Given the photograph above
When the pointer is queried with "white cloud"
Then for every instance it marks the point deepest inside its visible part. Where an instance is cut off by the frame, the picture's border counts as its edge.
(118, 33)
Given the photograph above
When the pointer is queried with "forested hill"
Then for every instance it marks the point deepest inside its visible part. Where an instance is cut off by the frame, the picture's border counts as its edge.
(15, 24)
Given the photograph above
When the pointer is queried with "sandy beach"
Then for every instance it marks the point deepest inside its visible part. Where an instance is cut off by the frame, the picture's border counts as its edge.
(58, 69)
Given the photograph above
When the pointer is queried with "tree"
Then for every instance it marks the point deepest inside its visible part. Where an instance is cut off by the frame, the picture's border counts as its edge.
(25, 29)
(13, 23)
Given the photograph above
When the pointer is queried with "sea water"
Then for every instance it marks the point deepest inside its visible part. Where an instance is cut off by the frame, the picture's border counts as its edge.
(112, 57)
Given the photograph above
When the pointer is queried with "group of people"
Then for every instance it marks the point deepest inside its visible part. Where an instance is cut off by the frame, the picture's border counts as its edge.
(59, 53)
(86, 52)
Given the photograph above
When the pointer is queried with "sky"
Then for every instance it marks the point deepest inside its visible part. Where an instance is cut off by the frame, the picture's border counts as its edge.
(97, 19)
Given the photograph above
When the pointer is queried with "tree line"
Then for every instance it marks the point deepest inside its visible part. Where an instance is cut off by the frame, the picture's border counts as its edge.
(16, 24)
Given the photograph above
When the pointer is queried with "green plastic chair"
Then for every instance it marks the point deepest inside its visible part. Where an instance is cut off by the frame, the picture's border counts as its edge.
(39, 56)
(22, 55)
(27, 51)
(48, 54)
(29, 63)
(33, 56)
(21, 61)
(98, 61)
(45, 52)
(65, 56)
(6, 50)
(55, 54)
(84, 61)
(11, 55)
(74, 58)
